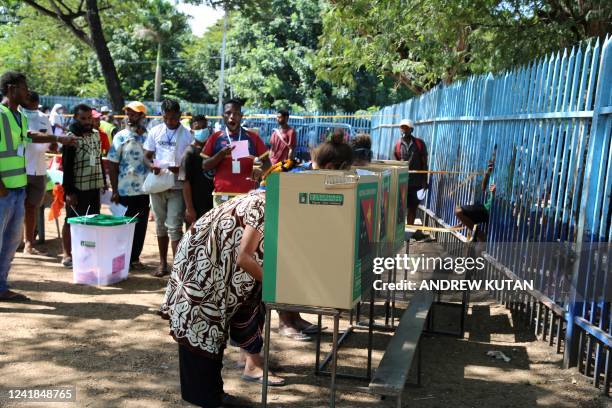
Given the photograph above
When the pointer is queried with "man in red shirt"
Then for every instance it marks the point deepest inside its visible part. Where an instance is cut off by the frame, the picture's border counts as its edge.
(283, 139)
(225, 151)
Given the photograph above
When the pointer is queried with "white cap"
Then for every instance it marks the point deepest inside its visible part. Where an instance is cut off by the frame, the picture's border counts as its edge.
(104, 109)
(407, 122)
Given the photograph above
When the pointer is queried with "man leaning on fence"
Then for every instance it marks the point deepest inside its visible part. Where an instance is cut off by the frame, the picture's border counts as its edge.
(14, 136)
(413, 150)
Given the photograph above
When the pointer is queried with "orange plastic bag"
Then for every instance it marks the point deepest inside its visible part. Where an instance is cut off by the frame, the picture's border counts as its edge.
(58, 202)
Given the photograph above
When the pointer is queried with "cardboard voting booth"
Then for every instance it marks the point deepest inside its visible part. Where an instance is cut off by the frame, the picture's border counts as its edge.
(320, 237)
(383, 207)
(398, 195)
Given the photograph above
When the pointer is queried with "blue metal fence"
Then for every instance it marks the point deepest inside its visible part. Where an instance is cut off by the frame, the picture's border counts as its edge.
(550, 125)
(153, 107)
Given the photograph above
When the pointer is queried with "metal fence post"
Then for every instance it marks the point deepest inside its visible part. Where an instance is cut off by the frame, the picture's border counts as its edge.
(593, 182)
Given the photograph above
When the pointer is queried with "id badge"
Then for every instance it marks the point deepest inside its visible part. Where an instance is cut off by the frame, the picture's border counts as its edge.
(236, 166)
(92, 160)
(20, 150)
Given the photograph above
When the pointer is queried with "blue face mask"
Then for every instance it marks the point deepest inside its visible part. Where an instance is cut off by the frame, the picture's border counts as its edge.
(201, 135)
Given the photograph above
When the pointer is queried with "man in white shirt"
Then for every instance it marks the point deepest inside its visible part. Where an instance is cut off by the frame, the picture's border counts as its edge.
(36, 169)
(164, 148)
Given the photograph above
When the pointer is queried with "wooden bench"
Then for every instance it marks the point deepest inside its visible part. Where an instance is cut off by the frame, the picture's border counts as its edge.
(392, 373)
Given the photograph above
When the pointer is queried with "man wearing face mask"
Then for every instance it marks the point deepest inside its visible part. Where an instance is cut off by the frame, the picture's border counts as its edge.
(128, 171)
(413, 150)
(83, 173)
(164, 148)
(198, 186)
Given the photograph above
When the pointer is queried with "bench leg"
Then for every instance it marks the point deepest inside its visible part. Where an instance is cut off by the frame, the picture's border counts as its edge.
(399, 401)
(334, 363)
(419, 363)
(318, 351)
(264, 382)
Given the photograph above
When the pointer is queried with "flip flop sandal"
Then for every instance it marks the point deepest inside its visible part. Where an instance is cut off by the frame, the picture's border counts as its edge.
(34, 251)
(160, 273)
(259, 380)
(138, 266)
(15, 297)
(297, 336)
(313, 329)
(67, 262)
(273, 367)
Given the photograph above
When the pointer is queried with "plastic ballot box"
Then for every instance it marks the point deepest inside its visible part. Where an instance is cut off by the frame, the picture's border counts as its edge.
(101, 248)
(320, 238)
(398, 196)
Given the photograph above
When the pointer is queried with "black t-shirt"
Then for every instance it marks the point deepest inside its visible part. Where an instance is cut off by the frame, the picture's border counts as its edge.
(201, 181)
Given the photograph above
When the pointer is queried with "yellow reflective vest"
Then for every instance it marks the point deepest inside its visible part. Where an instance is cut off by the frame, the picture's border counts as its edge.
(12, 149)
(108, 128)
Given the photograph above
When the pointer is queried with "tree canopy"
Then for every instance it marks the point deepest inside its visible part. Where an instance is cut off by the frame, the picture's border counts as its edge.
(342, 55)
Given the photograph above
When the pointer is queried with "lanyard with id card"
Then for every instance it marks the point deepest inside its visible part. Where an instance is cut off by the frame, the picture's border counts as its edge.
(235, 162)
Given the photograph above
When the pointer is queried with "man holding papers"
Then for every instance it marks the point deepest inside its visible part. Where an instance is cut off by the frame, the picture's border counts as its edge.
(232, 152)
(164, 148)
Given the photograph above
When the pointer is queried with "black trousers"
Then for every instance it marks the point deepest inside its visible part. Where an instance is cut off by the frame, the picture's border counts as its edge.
(137, 205)
(201, 382)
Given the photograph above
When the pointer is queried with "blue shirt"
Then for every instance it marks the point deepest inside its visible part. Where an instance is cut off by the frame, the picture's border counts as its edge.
(128, 152)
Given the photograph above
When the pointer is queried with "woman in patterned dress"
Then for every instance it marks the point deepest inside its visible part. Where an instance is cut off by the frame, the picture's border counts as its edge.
(214, 291)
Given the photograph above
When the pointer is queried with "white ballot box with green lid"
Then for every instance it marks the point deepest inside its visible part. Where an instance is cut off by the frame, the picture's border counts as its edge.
(398, 197)
(319, 238)
(101, 248)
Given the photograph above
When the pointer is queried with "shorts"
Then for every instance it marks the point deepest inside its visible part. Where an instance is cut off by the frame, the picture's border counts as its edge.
(413, 199)
(476, 212)
(169, 210)
(88, 202)
(35, 190)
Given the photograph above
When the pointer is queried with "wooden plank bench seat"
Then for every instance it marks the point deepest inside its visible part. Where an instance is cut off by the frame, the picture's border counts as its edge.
(392, 373)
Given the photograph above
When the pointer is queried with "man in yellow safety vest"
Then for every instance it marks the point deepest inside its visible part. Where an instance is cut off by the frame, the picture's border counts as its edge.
(14, 136)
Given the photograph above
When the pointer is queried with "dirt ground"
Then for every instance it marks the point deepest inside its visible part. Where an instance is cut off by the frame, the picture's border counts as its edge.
(110, 344)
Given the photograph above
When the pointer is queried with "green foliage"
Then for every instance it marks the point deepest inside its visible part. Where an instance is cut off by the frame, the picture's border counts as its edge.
(273, 62)
(343, 55)
(421, 43)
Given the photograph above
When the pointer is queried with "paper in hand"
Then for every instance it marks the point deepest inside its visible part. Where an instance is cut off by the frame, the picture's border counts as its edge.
(241, 149)
(118, 210)
(162, 164)
(105, 197)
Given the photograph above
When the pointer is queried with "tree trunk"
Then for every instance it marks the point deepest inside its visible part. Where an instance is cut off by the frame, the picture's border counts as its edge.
(111, 78)
(158, 74)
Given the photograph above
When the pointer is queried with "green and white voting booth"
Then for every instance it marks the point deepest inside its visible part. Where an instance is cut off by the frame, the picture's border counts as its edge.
(320, 237)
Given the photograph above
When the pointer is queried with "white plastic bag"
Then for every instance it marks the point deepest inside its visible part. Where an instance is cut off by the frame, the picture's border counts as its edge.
(158, 183)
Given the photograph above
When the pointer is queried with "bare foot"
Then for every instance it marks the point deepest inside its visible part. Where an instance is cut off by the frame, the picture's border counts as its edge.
(30, 250)
(253, 371)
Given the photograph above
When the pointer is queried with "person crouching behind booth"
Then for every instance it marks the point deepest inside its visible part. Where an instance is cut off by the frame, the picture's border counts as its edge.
(214, 291)
(362, 149)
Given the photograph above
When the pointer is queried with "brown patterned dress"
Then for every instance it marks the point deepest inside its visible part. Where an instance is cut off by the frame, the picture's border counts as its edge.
(206, 287)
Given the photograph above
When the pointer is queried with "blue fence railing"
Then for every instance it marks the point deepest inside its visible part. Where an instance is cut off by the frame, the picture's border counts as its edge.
(153, 107)
(550, 125)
